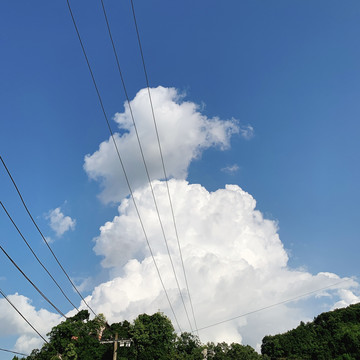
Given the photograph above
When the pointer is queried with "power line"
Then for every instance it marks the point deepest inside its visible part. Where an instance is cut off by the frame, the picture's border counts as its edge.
(43, 237)
(120, 159)
(36, 257)
(144, 162)
(161, 155)
(18, 311)
(13, 352)
(35, 287)
(273, 305)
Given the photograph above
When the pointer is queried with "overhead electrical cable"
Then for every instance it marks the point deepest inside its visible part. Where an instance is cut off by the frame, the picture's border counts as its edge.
(144, 162)
(13, 352)
(35, 287)
(43, 237)
(18, 311)
(162, 158)
(121, 162)
(36, 257)
(273, 305)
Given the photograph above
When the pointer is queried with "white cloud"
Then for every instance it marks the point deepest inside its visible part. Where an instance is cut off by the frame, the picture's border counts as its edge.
(231, 169)
(247, 132)
(234, 259)
(86, 284)
(49, 239)
(11, 323)
(59, 222)
(184, 134)
(347, 297)
(26, 343)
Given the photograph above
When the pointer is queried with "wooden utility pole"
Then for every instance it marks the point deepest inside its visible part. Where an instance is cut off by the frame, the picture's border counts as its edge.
(115, 346)
(117, 342)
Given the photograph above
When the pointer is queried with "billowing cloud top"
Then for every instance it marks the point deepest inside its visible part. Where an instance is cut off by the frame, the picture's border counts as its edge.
(233, 256)
(184, 133)
(210, 223)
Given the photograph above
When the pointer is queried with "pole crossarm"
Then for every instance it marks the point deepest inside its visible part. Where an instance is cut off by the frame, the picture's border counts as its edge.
(121, 342)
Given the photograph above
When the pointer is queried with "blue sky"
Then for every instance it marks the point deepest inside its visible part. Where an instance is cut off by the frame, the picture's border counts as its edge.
(290, 70)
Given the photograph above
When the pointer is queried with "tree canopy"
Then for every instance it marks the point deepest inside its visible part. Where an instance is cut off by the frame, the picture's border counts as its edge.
(332, 335)
(152, 337)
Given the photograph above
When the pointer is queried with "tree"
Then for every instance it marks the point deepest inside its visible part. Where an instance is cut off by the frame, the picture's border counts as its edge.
(188, 347)
(153, 336)
(332, 335)
(223, 351)
(75, 338)
(241, 352)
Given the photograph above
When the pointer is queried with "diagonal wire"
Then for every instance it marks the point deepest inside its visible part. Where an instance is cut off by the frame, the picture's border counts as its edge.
(35, 287)
(13, 352)
(36, 257)
(273, 305)
(162, 158)
(43, 237)
(18, 311)
(121, 162)
(144, 162)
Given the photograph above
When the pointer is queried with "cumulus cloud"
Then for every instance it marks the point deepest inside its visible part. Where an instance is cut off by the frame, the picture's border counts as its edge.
(59, 222)
(12, 323)
(26, 343)
(184, 134)
(347, 298)
(233, 256)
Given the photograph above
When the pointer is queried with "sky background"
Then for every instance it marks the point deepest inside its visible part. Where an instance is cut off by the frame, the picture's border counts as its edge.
(276, 84)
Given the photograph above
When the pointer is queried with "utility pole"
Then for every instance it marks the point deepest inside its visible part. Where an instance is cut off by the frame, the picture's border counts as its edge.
(115, 345)
(117, 342)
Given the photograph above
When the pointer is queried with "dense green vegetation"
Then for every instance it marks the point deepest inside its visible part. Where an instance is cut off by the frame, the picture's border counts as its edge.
(153, 337)
(332, 335)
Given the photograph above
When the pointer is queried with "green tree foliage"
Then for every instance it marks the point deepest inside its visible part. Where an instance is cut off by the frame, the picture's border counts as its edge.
(188, 346)
(153, 337)
(223, 351)
(332, 335)
(77, 338)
